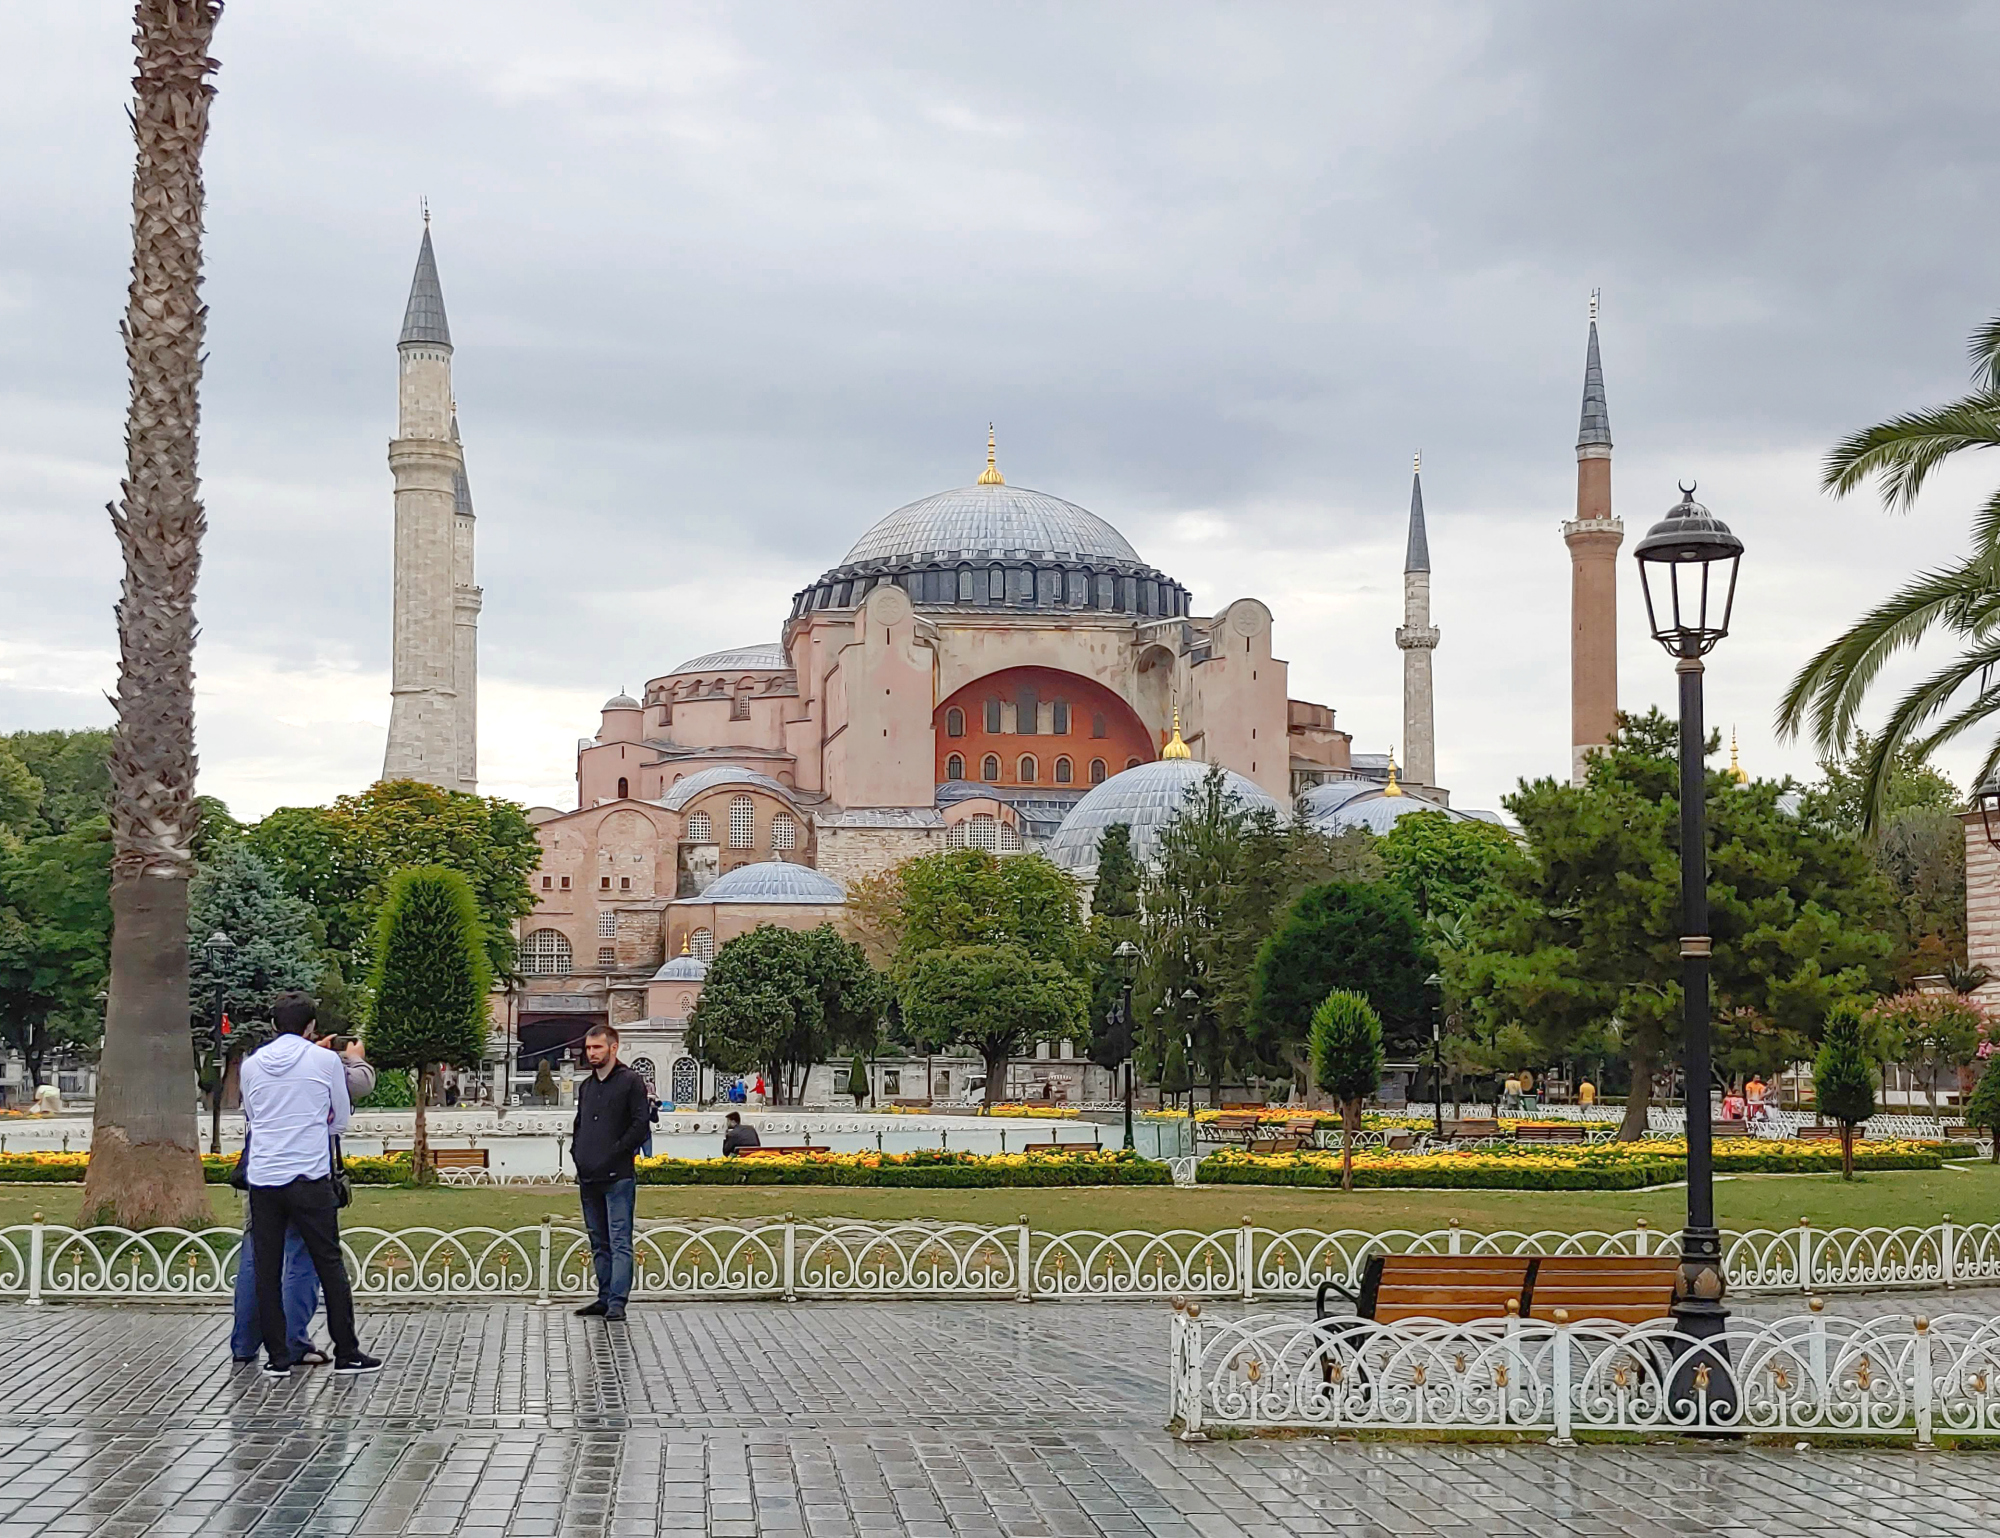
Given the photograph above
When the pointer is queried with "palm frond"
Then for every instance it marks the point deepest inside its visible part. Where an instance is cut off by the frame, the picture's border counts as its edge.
(1919, 704)
(1827, 693)
(1985, 350)
(1904, 450)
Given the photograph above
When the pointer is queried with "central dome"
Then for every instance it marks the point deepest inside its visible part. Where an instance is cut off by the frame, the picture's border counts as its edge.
(991, 521)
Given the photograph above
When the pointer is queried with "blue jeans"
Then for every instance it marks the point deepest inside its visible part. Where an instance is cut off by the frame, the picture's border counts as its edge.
(301, 1299)
(607, 1216)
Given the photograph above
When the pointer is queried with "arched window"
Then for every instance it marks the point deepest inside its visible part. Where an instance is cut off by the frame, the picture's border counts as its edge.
(1010, 839)
(700, 829)
(742, 822)
(1027, 768)
(954, 722)
(1107, 591)
(784, 832)
(1097, 771)
(546, 953)
(1097, 726)
(702, 944)
(624, 788)
(954, 836)
(1079, 589)
(989, 769)
(954, 768)
(996, 584)
(607, 956)
(965, 584)
(985, 831)
(1131, 763)
(1064, 772)
(993, 716)
(1059, 718)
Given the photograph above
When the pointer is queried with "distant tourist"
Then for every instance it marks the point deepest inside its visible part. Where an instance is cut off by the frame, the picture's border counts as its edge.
(301, 1286)
(611, 1122)
(736, 1137)
(295, 1103)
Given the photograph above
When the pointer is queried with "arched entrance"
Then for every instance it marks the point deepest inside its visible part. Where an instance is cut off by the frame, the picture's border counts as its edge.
(1036, 728)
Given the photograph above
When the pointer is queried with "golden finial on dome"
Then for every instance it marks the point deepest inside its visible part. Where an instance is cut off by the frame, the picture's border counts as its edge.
(1175, 748)
(1735, 768)
(991, 475)
(1392, 788)
(686, 949)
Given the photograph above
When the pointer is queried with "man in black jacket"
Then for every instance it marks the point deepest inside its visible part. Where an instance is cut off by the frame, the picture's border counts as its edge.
(611, 1123)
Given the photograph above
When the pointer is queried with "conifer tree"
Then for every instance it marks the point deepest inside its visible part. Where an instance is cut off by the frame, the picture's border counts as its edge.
(1983, 1109)
(1174, 1076)
(857, 1079)
(1347, 1064)
(429, 983)
(1116, 895)
(1843, 1080)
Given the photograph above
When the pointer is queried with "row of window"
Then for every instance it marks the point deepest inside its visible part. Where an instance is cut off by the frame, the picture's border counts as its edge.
(1045, 587)
(983, 831)
(1027, 770)
(547, 952)
(1027, 718)
(743, 826)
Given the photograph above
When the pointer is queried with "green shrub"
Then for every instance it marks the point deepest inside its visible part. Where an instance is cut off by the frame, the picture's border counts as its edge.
(392, 1092)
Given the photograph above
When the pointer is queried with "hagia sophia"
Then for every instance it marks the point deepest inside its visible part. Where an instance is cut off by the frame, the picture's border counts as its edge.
(988, 666)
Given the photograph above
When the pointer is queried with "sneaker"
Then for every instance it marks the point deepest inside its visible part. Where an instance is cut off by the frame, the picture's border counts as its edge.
(360, 1362)
(590, 1311)
(614, 1315)
(277, 1369)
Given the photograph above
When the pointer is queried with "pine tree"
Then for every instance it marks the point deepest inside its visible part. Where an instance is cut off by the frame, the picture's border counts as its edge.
(1116, 895)
(1347, 1064)
(429, 983)
(1843, 1081)
(1174, 1077)
(1983, 1109)
(857, 1079)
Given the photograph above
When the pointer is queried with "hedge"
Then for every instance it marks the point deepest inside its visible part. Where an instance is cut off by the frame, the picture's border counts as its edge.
(385, 1170)
(926, 1168)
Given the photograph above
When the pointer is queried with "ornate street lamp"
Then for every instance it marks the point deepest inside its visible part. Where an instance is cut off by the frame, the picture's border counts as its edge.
(1987, 799)
(215, 953)
(1125, 955)
(1687, 566)
(1436, 982)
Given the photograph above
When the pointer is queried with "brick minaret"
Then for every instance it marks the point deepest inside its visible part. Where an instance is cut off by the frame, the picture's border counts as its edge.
(434, 683)
(1593, 537)
(1418, 638)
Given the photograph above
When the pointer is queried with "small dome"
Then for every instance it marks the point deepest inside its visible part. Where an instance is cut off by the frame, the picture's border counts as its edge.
(975, 521)
(682, 969)
(768, 658)
(1145, 798)
(622, 701)
(773, 881)
(680, 794)
(1354, 804)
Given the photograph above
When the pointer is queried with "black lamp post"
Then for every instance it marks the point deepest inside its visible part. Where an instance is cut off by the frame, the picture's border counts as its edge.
(215, 952)
(1987, 799)
(1436, 983)
(1687, 566)
(1126, 955)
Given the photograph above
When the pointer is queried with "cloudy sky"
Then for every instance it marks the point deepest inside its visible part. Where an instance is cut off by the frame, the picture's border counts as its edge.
(728, 283)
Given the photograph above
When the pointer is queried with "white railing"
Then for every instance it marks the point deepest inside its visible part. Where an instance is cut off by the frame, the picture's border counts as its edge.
(1884, 1377)
(830, 1258)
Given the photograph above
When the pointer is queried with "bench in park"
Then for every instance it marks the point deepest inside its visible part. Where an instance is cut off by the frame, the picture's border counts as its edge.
(1229, 1127)
(1553, 1132)
(1729, 1129)
(1471, 1129)
(765, 1149)
(1462, 1289)
(458, 1158)
(1809, 1134)
(1269, 1137)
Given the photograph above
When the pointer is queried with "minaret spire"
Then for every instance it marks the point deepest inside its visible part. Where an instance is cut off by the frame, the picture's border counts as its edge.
(1593, 537)
(1418, 638)
(991, 475)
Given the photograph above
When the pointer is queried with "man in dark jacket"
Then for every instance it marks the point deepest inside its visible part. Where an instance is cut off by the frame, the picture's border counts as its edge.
(611, 1123)
(736, 1137)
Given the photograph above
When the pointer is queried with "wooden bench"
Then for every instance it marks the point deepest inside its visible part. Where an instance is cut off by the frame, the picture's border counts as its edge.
(1729, 1129)
(1626, 1289)
(458, 1158)
(778, 1148)
(1229, 1127)
(1272, 1137)
(1556, 1132)
(1459, 1289)
(1471, 1130)
(1808, 1134)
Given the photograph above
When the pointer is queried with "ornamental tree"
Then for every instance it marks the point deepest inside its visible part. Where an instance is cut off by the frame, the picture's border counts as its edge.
(1983, 1109)
(429, 983)
(1445, 865)
(1843, 1079)
(1931, 1034)
(55, 941)
(996, 999)
(1347, 1064)
(857, 1079)
(1174, 1076)
(779, 1000)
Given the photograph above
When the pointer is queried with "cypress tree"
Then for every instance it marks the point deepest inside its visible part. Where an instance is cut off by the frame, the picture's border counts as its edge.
(1346, 1042)
(1983, 1109)
(1843, 1081)
(1174, 1078)
(429, 982)
(1116, 895)
(857, 1079)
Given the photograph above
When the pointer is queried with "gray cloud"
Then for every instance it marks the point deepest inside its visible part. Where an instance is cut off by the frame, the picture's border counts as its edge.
(728, 283)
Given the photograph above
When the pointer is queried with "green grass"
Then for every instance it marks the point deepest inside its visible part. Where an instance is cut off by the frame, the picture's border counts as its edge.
(1916, 1197)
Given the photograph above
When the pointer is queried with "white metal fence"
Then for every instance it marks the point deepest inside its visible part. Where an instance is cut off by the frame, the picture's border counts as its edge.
(1883, 1377)
(833, 1259)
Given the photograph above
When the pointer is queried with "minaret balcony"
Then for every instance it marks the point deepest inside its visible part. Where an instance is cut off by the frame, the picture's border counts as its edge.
(1415, 638)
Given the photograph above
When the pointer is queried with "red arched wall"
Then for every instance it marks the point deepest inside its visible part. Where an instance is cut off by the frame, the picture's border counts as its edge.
(1125, 736)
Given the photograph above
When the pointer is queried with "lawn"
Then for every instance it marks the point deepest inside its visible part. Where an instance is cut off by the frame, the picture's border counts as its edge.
(1919, 1197)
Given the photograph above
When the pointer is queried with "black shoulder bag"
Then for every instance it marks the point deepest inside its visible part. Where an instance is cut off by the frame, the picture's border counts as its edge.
(336, 1168)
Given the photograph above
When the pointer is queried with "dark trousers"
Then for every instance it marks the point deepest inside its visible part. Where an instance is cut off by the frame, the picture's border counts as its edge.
(607, 1218)
(309, 1207)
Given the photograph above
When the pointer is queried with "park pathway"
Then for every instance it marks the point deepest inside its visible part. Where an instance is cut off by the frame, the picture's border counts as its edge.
(823, 1421)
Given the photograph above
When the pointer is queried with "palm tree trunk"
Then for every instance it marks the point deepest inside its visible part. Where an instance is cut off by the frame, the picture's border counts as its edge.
(145, 1164)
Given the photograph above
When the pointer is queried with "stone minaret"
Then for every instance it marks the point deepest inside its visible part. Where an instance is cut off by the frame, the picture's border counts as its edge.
(434, 680)
(1418, 638)
(1593, 537)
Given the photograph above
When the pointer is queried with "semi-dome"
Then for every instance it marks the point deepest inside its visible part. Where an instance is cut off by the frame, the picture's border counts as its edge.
(766, 658)
(621, 701)
(772, 881)
(977, 522)
(684, 968)
(1346, 804)
(1146, 799)
(685, 790)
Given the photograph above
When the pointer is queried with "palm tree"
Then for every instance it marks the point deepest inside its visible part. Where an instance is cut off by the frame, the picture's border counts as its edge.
(1961, 600)
(145, 1167)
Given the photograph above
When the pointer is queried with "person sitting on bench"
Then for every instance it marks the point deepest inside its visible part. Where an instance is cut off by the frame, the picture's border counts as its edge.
(736, 1137)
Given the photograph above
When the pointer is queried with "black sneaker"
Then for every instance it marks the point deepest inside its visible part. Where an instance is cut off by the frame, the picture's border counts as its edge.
(361, 1361)
(277, 1369)
(614, 1315)
(590, 1311)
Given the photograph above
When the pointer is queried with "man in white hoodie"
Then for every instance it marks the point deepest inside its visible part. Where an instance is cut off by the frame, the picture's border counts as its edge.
(294, 1104)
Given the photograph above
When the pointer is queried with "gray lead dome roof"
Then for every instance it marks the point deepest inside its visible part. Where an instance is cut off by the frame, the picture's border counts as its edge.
(1146, 799)
(978, 521)
(772, 881)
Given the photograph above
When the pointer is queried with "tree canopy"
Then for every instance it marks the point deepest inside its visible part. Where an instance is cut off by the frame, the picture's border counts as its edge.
(1444, 865)
(72, 771)
(997, 999)
(779, 1000)
(55, 940)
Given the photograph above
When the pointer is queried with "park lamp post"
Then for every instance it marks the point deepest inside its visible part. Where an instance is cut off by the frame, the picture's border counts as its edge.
(1126, 956)
(215, 953)
(1687, 568)
(1987, 799)
(1436, 982)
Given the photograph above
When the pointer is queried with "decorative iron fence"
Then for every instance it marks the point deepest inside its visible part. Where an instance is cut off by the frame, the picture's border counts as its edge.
(833, 1259)
(1883, 1377)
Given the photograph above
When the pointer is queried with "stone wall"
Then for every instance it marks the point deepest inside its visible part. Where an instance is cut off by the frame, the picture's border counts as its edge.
(854, 854)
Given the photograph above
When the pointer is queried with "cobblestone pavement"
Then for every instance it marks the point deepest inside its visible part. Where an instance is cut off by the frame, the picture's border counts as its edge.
(824, 1421)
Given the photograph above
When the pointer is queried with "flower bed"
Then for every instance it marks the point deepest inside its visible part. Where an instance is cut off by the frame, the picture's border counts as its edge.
(1039, 1112)
(928, 1167)
(1555, 1167)
(386, 1170)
